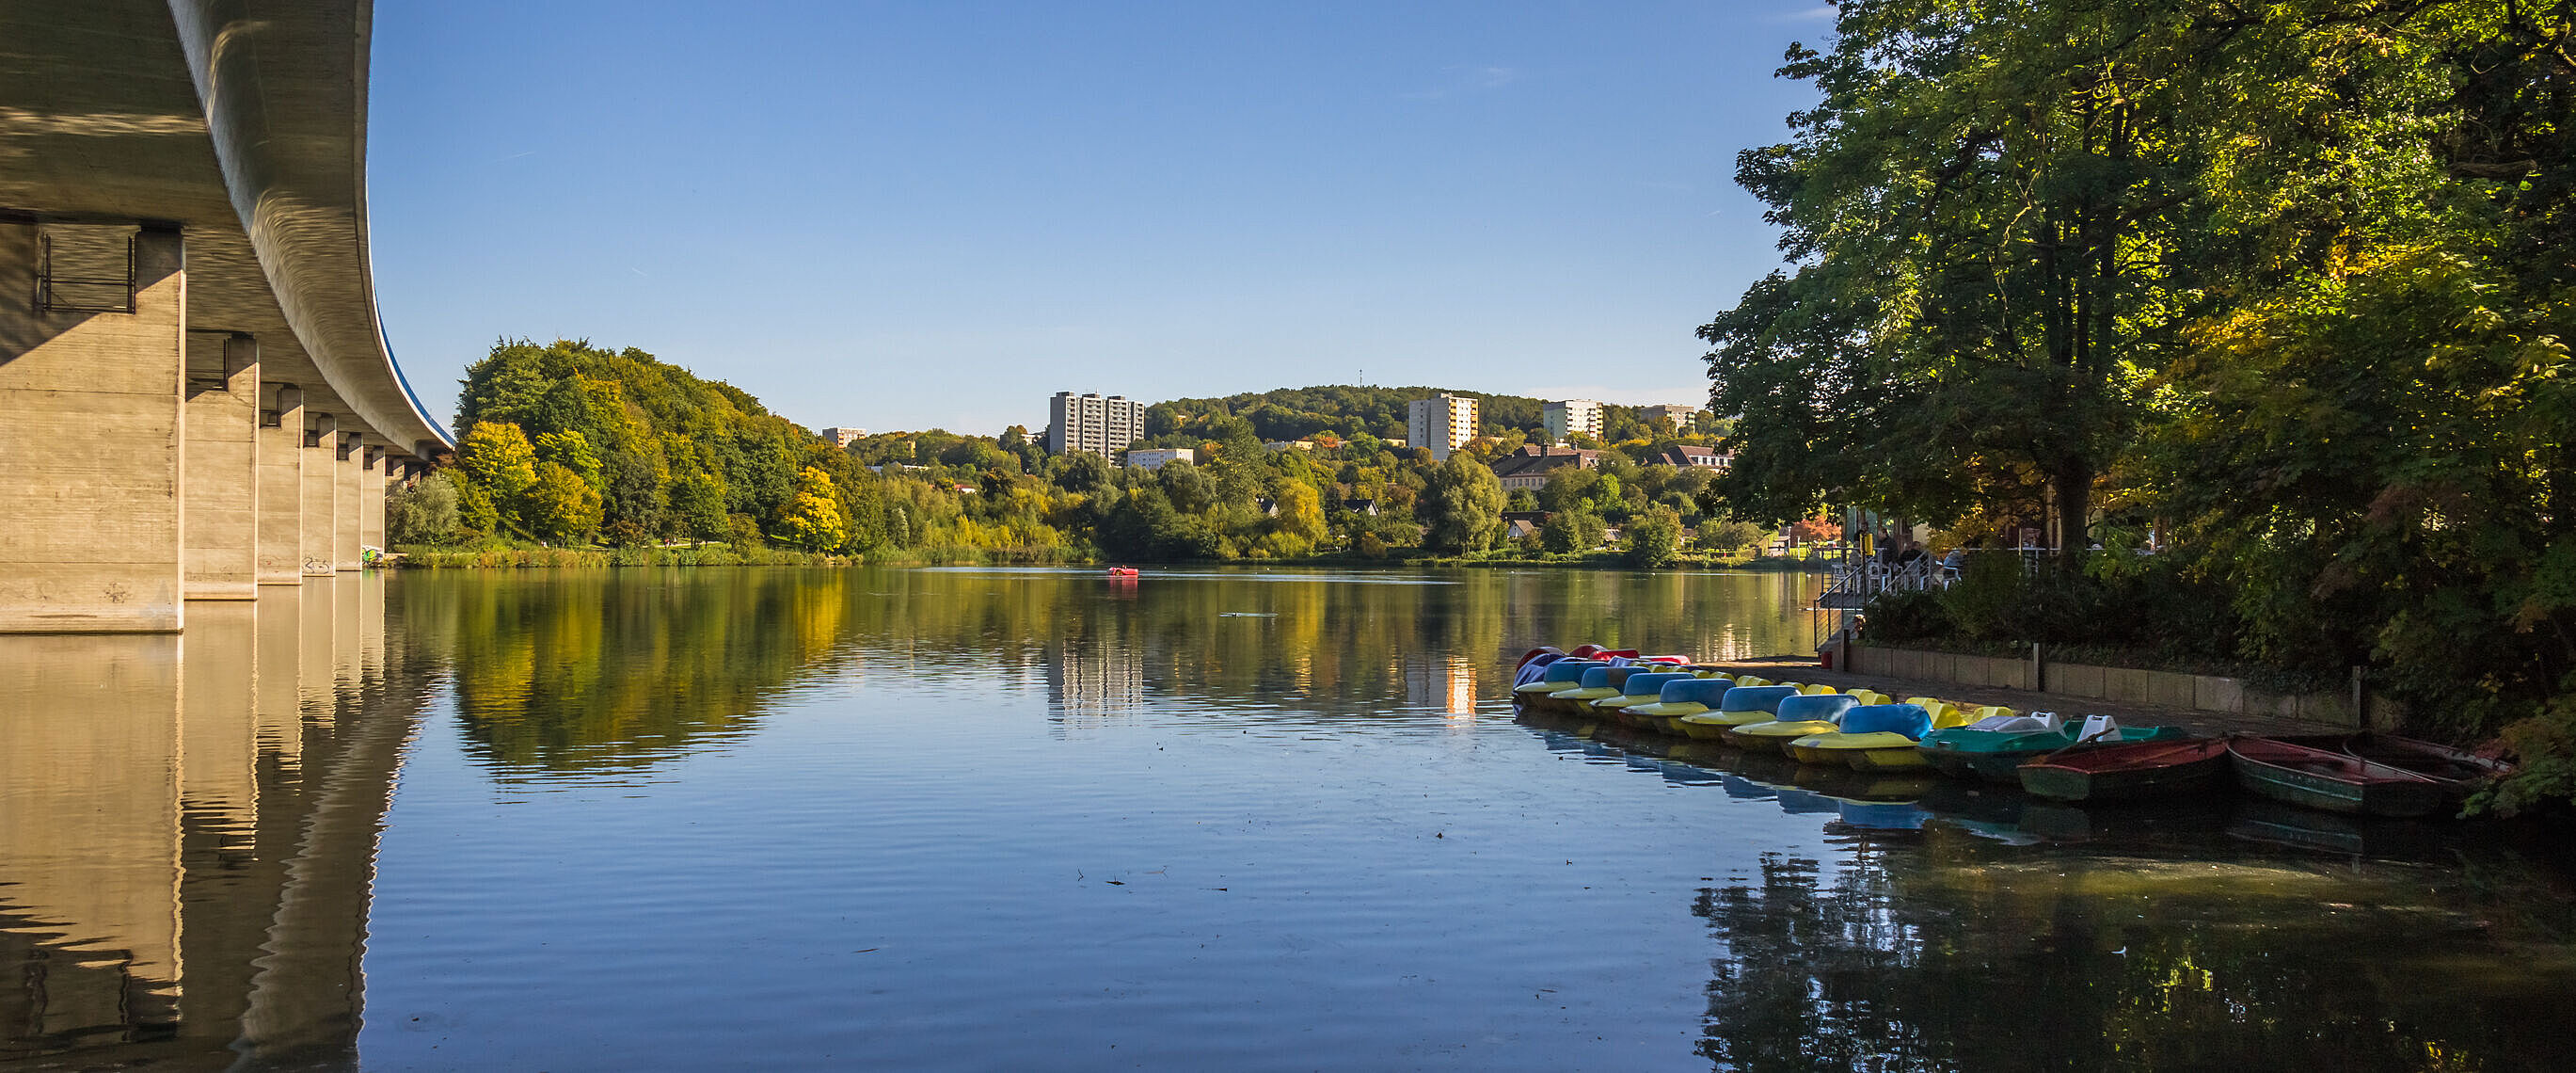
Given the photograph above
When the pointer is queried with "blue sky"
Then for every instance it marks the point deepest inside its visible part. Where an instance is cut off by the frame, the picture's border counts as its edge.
(897, 216)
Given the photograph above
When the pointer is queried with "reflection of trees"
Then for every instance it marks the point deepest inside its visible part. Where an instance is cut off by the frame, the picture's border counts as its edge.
(595, 670)
(601, 670)
(1933, 955)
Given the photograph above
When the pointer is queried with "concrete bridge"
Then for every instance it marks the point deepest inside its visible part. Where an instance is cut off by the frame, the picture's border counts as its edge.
(196, 397)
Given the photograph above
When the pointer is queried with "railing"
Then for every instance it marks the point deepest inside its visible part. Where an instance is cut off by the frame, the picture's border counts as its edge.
(1859, 581)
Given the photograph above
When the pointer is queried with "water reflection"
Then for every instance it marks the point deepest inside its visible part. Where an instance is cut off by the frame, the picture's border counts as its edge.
(1957, 927)
(601, 672)
(1216, 794)
(187, 830)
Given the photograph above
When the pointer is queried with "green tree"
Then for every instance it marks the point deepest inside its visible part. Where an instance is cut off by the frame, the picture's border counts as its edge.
(1992, 214)
(423, 513)
(1461, 506)
(1731, 536)
(1572, 530)
(1654, 538)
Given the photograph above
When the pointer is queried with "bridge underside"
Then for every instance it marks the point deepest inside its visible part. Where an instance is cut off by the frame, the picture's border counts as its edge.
(195, 396)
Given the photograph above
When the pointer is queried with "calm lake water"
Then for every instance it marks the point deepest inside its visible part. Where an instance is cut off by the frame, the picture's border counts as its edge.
(999, 819)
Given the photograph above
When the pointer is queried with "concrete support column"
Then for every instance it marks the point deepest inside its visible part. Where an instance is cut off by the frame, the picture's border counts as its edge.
(222, 460)
(371, 499)
(281, 484)
(321, 523)
(91, 433)
(350, 471)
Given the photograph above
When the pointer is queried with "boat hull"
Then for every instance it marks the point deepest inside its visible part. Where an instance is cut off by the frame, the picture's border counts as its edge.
(2130, 772)
(2330, 782)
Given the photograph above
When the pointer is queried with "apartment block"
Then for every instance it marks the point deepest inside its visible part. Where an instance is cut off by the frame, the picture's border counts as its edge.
(1090, 422)
(1154, 458)
(1443, 423)
(1567, 417)
(844, 437)
(1678, 413)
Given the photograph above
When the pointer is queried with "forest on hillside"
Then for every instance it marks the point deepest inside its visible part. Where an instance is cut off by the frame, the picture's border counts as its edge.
(571, 445)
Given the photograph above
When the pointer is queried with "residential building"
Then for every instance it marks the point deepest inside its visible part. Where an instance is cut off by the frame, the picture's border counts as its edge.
(1567, 417)
(843, 437)
(1283, 445)
(1528, 468)
(1088, 422)
(1678, 413)
(1443, 423)
(1154, 458)
(1697, 457)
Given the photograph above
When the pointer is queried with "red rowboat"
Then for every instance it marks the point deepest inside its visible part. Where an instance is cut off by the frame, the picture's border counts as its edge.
(2128, 772)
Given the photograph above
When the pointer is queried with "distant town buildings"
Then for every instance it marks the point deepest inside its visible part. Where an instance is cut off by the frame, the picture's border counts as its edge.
(1089, 422)
(1570, 416)
(1443, 423)
(1528, 468)
(1678, 413)
(1154, 458)
(843, 437)
(1683, 454)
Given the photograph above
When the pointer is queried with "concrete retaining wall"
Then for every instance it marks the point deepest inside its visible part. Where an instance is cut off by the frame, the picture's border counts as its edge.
(2128, 685)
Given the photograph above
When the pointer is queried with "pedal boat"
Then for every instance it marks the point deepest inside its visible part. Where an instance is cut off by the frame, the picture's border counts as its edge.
(1681, 699)
(1873, 738)
(1561, 675)
(1638, 689)
(1798, 717)
(1996, 753)
(1741, 706)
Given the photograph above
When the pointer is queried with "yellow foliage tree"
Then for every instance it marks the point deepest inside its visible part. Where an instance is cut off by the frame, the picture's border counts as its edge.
(813, 519)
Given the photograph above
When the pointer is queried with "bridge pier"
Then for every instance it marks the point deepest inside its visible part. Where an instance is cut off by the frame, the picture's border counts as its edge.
(281, 484)
(371, 499)
(221, 496)
(348, 471)
(321, 515)
(90, 381)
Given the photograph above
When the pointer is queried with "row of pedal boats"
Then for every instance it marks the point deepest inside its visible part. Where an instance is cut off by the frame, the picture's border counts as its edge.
(2090, 759)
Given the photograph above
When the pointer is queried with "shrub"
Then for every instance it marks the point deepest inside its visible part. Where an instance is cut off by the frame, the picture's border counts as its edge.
(1901, 617)
(1986, 602)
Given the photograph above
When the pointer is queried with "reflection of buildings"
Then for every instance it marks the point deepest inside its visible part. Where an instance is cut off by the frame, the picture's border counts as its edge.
(187, 831)
(1091, 679)
(1441, 683)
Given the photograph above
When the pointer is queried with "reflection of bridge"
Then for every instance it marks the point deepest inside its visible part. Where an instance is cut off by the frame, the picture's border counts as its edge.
(195, 396)
(188, 830)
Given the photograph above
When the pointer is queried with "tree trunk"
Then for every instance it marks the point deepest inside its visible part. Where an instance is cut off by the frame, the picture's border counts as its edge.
(2074, 490)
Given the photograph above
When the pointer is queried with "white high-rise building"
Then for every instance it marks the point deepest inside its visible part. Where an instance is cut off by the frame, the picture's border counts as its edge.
(1678, 413)
(1443, 423)
(844, 437)
(1102, 426)
(1570, 416)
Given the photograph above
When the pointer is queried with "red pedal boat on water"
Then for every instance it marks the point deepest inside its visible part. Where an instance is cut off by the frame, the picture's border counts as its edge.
(2129, 772)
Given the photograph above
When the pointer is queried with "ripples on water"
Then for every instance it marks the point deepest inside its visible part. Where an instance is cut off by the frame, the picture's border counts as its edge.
(992, 819)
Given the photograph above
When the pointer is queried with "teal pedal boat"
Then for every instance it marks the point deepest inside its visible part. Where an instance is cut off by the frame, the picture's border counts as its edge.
(1996, 755)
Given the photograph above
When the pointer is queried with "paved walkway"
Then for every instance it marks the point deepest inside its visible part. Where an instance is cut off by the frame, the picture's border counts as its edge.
(1804, 669)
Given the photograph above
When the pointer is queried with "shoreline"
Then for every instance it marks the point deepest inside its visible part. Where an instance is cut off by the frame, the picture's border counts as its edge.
(729, 555)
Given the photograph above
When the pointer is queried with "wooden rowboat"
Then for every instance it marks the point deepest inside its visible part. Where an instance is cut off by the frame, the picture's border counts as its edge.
(2296, 774)
(2129, 772)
